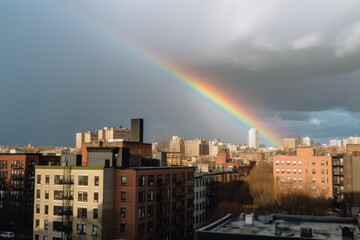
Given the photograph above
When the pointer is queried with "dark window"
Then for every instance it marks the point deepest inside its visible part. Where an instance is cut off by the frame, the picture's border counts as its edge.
(151, 180)
(123, 212)
(46, 209)
(142, 181)
(82, 213)
(96, 180)
(46, 194)
(141, 197)
(96, 197)
(83, 180)
(122, 229)
(123, 180)
(95, 213)
(141, 229)
(123, 196)
(47, 179)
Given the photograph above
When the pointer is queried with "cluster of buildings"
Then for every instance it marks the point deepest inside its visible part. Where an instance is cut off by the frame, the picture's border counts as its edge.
(117, 187)
(114, 189)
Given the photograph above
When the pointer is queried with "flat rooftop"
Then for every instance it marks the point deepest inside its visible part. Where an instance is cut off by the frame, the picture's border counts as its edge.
(281, 226)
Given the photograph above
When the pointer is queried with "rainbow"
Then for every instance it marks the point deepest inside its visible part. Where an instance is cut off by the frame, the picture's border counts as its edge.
(194, 83)
(205, 90)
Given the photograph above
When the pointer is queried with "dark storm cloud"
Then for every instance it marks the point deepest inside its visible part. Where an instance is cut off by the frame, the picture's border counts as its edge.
(63, 67)
(295, 116)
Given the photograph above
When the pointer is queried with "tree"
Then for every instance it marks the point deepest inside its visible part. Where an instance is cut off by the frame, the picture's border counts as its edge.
(261, 182)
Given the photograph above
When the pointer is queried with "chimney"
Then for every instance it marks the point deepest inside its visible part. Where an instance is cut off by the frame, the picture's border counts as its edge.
(137, 130)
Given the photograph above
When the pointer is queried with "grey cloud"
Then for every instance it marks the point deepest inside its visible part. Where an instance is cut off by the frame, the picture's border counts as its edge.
(294, 116)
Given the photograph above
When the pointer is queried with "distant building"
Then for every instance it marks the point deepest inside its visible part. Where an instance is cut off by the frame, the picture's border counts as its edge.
(304, 172)
(196, 147)
(290, 143)
(112, 134)
(222, 157)
(253, 138)
(335, 143)
(306, 141)
(177, 145)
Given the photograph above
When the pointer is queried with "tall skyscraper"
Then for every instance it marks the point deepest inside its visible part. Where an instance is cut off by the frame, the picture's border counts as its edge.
(253, 138)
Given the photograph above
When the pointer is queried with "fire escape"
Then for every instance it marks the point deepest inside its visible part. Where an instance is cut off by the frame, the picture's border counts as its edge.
(162, 209)
(67, 209)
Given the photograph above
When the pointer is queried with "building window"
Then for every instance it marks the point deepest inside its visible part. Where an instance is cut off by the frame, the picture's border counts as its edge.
(81, 228)
(95, 213)
(287, 162)
(277, 170)
(96, 197)
(313, 171)
(82, 213)
(123, 196)
(322, 163)
(294, 170)
(82, 196)
(300, 162)
(96, 180)
(300, 179)
(83, 180)
(123, 212)
(122, 229)
(141, 213)
(300, 170)
(141, 229)
(58, 195)
(277, 162)
(37, 208)
(142, 181)
(288, 170)
(150, 211)
(322, 171)
(323, 180)
(37, 193)
(37, 223)
(46, 224)
(58, 179)
(38, 179)
(47, 179)
(123, 180)
(294, 179)
(282, 170)
(150, 227)
(167, 178)
(46, 194)
(46, 209)
(313, 179)
(151, 180)
(94, 230)
(294, 162)
(313, 163)
(141, 197)
(150, 195)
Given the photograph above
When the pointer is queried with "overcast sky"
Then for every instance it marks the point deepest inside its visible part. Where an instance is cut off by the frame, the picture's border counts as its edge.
(71, 66)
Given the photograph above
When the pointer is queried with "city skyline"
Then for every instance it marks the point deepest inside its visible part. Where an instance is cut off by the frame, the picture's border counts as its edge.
(67, 68)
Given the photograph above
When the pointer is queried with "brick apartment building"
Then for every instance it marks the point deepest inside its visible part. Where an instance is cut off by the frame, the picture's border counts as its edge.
(145, 202)
(17, 187)
(305, 171)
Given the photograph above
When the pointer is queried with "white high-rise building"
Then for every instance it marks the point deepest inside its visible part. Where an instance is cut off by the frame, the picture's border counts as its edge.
(253, 138)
